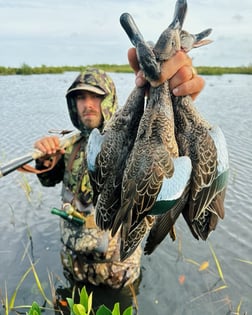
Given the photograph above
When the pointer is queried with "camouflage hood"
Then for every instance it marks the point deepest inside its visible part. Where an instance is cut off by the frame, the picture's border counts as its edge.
(97, 81)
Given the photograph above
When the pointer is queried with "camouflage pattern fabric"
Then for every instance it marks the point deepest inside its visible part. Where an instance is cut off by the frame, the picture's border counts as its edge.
(90, 263)
(96, 78)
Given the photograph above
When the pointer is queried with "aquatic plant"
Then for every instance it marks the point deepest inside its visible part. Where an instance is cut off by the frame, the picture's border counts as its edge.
(35, 309)
(216, 286)
(84, 307)
(24, 183)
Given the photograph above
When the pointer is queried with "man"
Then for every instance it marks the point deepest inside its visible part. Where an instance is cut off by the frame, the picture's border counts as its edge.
(89, 254)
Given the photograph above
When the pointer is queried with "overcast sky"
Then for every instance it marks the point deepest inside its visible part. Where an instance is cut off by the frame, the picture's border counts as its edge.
(85, 32)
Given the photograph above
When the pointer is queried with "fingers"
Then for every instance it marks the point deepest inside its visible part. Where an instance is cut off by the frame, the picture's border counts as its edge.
(133, 62)
(182, 77)
(132, 57)
(140, 79)
(186, 84)
(172, 66)
(178, 70)
(48, 145)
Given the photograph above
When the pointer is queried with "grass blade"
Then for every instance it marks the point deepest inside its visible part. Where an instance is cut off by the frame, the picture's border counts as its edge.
(222, 287)
(6, 301)
(239, 308)
(14, 295)
(217, 264)
(191, 261)
(245, 261)
(208, 292)
(39, 283)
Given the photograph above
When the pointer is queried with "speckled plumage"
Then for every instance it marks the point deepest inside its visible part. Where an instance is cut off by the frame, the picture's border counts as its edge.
(106, 164)
(201, 200)
(151, 158)
(206, 147)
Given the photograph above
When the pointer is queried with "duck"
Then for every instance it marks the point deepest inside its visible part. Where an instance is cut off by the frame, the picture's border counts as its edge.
(210, 160)
(174, 194)
(155, 146)
(107, 152)
(206, 146)
(150, 161)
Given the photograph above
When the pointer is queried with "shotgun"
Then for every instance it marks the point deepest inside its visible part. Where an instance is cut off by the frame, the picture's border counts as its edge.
(11, 166)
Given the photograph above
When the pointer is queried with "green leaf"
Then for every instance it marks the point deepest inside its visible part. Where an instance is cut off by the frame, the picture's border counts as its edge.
(103, 310)
(116, 310)
(128, 311)
(84, 298)
(79, 309)
(90, 302)
(70, 303)
(35, 309)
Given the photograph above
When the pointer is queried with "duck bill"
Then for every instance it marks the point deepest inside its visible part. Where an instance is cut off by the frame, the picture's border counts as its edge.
(199, 41)
(179, 15)
(131, 29)
(202, 34)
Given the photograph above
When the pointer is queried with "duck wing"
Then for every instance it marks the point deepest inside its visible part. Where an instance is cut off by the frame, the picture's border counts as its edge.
(136, 234)
(211, 207)
(170, 203)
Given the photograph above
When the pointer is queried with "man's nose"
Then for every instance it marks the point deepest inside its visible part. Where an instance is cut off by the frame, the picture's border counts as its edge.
(89, 102)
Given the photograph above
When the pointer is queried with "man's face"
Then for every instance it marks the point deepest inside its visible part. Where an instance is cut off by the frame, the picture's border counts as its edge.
(89, 109)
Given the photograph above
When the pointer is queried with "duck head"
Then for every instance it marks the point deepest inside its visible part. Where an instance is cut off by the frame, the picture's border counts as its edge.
(168, 44)
(169, 41)
(189, 41)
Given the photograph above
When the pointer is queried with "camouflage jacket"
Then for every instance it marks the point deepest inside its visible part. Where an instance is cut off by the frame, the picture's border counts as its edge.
(75, 177)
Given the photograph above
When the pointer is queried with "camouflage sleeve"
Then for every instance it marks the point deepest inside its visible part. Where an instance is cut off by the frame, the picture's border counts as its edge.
(54, 176)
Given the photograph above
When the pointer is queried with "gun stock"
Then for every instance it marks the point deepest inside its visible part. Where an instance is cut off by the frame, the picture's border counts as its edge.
(14, 164)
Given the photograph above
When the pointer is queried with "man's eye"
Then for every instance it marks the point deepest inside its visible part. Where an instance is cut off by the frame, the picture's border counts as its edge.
(98, 96)
(80, 97)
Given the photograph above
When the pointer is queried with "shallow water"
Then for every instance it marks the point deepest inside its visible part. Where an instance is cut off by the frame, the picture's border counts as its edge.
(171, 281)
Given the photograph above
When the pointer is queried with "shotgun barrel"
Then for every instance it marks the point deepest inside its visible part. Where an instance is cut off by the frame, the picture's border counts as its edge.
(14, 164)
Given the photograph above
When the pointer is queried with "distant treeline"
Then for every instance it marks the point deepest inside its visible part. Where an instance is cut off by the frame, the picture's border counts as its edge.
(27, 70)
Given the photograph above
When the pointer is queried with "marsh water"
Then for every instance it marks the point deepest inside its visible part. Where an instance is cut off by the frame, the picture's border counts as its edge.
(172, 281)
